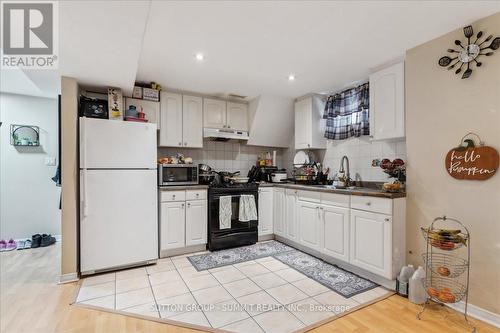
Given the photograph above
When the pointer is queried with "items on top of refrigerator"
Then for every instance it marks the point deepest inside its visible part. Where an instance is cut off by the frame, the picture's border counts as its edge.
(177, 159)
(115, 103)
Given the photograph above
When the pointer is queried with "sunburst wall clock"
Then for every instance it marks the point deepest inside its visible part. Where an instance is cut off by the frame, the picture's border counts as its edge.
(469, 54)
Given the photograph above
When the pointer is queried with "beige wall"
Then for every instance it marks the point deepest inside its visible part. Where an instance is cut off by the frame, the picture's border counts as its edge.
(69, 173)
(440, 109)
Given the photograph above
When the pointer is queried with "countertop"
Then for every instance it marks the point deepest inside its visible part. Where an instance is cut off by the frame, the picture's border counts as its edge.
(183, 187)
(362, 191)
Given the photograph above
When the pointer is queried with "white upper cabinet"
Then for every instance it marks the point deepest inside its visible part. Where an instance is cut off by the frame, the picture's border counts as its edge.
(181, 121)
(171, 120)
(309, 123)
(192, 121)
(214, 113)
(387, 103)
(150, 108)
(237, 116)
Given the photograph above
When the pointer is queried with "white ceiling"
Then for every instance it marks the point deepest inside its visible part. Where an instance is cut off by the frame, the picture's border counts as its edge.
(250, 46)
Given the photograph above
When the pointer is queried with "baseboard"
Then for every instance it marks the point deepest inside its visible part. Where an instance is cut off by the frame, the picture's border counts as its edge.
(477, 313)
(66, 278)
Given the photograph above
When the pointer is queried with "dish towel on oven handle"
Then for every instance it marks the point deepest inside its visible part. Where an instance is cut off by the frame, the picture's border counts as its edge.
(248, 209)
(225, 212)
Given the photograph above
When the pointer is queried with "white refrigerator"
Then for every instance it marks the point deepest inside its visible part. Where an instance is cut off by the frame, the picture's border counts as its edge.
(118, 194)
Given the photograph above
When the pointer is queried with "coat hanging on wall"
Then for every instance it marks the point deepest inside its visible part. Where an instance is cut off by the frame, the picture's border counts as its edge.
(469, 52)
(468, 161)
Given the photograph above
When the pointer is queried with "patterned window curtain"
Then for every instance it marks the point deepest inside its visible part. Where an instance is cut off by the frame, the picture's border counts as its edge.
(346, 114)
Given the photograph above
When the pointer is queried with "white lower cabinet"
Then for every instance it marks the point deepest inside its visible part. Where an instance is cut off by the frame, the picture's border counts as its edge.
(196, 222)
(291, 231)
(309, 217)
(266, 211)
(336, 232)
(182, 222)
(279, 211)
(371, 242)
(172, 221)
(364, 231)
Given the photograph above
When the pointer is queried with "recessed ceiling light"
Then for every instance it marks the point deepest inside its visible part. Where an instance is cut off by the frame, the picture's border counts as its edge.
(199, 56)
(291, 77)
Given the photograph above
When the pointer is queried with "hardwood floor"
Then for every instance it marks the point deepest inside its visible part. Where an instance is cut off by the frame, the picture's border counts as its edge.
(32, 301)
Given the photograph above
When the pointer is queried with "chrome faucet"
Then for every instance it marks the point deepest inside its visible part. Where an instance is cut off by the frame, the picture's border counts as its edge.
(347, 172)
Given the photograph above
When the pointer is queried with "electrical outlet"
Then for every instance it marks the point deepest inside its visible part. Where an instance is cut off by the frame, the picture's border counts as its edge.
(50, 161)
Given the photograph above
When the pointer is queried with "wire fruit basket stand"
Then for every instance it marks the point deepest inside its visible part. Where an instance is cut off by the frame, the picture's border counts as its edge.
(447, 268)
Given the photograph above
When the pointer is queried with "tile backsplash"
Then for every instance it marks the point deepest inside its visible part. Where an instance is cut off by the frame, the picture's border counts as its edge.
(235, 156)
(360, 151)
(224, 156)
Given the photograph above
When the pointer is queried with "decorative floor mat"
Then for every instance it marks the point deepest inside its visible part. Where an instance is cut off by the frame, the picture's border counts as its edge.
(240, 254)
(342, 282)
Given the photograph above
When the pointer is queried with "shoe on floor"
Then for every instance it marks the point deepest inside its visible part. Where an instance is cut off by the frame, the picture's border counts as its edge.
(47, 240)
(3, 245)
(36, 240)
(11, 245)
(24, 244)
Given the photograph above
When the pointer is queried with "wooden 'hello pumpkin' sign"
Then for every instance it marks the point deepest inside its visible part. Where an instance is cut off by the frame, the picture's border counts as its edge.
(469, 161)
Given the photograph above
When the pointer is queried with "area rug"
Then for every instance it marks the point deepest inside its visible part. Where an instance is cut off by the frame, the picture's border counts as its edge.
(240, 254)
(341, 281)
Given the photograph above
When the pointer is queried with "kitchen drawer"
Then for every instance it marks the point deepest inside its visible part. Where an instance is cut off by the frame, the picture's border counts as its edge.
(196, 194)
(335, 199)
(372, 204)
(172, 196)
(309, 196)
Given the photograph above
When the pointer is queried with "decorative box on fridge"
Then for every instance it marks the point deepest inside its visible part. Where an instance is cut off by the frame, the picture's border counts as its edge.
(137, 93)
(151, 94)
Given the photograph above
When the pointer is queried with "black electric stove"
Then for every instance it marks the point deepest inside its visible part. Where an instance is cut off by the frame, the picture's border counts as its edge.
(240, 233)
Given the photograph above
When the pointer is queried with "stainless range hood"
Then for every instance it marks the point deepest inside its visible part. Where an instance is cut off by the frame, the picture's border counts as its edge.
(224, 134)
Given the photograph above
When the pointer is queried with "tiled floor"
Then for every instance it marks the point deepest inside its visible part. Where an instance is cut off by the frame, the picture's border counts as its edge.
(262, 295)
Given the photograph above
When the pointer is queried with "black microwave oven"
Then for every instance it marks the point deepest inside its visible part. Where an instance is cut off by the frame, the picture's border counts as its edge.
(177, 174)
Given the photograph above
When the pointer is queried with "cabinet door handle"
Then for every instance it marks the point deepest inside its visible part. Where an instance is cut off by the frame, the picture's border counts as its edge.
(197, 195)
(368, 203)
(180, 143)
(189, 205)
(228, 126)
(182, 205)
(185, 143)
(387, 219)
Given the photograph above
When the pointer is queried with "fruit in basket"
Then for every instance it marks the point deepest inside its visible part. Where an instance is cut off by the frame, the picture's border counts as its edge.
(432, 292)
(446, 296)
(440, 236)
(447, 246)
(443, 271)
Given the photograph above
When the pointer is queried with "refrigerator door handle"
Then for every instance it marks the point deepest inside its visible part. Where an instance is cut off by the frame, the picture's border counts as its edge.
(83, 142)
(84, 193)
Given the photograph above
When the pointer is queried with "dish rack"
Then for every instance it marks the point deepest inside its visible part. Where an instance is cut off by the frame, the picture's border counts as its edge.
(447, 264)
